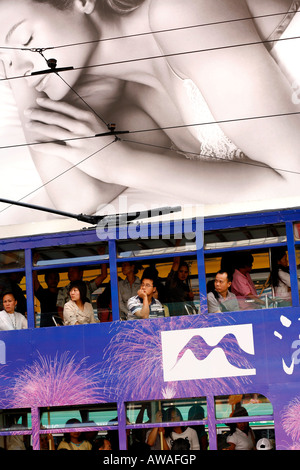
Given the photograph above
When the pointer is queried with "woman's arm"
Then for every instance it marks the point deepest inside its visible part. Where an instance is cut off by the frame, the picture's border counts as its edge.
(236, 82)
(117, 162)
(62, 181)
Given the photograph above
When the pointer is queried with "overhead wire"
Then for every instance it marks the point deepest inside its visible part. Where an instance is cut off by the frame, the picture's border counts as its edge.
(160, 31)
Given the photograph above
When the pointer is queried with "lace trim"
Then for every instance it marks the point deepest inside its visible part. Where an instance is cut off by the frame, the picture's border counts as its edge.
(213, 142)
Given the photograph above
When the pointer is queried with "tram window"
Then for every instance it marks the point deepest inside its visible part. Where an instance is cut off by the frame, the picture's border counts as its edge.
(15, 420)
(12, 260)
(79, 253)
(175, 288)
(52, 292)
(247, 407)
(155, 247)
(244, 236)
(97, 439)
(79, 416)
(255, 404)
(251, 271)
(179, 411)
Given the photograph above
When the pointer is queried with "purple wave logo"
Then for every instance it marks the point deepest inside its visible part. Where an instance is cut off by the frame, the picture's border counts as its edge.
(224, 351)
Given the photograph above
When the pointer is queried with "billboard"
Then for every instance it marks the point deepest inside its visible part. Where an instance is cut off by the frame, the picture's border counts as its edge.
(165, 103)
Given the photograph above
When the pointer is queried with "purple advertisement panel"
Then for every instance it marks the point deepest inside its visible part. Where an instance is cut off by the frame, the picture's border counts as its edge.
(158, 359)
(139, 97)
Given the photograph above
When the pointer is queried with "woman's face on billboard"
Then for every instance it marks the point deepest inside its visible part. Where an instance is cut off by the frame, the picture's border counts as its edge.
(26, 24)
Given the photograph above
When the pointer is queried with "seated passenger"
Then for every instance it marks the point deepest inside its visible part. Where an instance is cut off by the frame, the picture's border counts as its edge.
(74, 440)
(75, 273)
(242, 285)
(9, 318)
(220, 299)
(102, 444)
(47, 297)
(78, 310)
(128, 287)
(179, 294)
(144, 305)
(280, 274)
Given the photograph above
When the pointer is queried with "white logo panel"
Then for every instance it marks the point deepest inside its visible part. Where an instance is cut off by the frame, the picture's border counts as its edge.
(202, 353)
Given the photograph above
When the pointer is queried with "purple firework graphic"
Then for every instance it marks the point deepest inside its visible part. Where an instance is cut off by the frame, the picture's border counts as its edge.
(56, 381)
(291, 422)
(133, 360)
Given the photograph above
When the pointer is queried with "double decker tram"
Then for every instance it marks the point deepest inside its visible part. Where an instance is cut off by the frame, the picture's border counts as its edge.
(184, 366)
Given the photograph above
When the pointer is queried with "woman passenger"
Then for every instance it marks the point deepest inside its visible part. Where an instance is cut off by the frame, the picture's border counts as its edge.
(78, 310)
(9, 318)
(280, 275)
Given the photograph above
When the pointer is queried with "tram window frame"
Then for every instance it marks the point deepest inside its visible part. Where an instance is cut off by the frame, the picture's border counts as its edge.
(64, 282)
(190, 257)
(108, 429)
(270, 299)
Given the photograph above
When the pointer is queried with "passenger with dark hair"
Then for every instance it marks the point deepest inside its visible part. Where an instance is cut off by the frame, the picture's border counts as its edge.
(75, 273)
(196, 412)
(179, 293)
(102, 443)
(280, 275)
(47, 297)
(9, 318)
(74, 440)
(144, 305)
(179, 431)
(241, 436)
(242, 285)
(78, 310)
(128, 287)
(220, 299)
(181, 444)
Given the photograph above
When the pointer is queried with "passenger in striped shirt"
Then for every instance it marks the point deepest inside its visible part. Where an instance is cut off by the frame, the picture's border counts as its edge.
(144, 305)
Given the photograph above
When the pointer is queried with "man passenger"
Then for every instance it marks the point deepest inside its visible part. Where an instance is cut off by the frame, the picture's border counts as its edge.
(144, 305)
(221, 299)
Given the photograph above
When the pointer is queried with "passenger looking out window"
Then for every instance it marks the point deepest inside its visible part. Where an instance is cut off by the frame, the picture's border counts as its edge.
(220, 299)
(144, 305)
(10, 319)
(242, 285)
(128, 287)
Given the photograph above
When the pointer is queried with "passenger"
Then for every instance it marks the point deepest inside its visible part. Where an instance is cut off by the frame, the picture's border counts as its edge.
(156, 437)
(75, 273)
(144, 305)
(128, 287)
(280, 275)
(220, 299)
(73, 440)
(10, 283)
(196, 412)
(78, 310)
(47, 297)
(160, 287)
(9, 318)
(104, 305)
(176, 432)
(242, 285)
(241, 436)
(179, 293)
(102, 444)
(181, 444)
